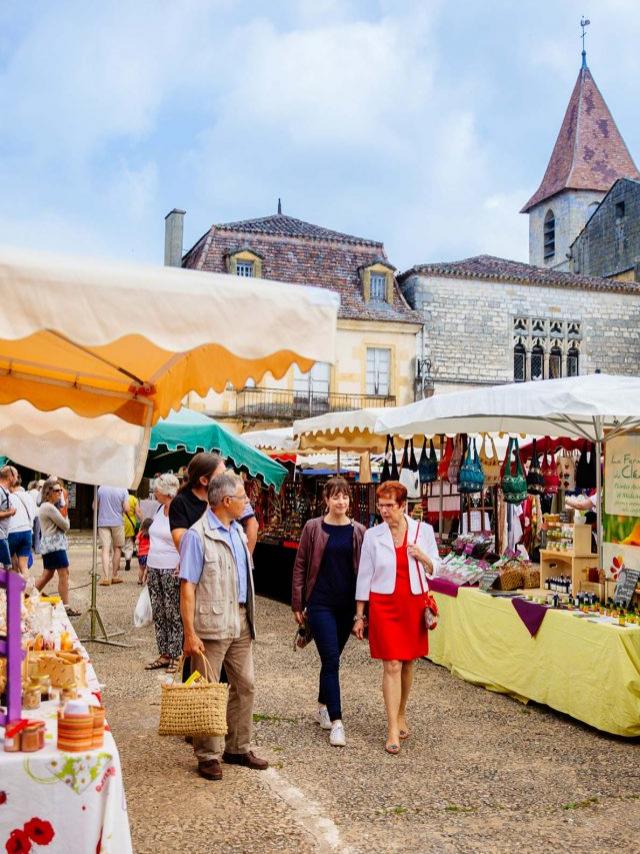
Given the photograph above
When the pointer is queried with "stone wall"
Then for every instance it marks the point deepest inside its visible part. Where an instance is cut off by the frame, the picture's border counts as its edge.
(610, 243)
(469, 326)
(571, 211)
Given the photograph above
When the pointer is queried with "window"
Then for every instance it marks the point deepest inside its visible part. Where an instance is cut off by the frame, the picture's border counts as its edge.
(315, 383)
(244, 268)
(519, 363)
(572, 362)
(378, 288)
(378, 371)
(549, 235)
(555, 363)
(537, 362)
(619, 210)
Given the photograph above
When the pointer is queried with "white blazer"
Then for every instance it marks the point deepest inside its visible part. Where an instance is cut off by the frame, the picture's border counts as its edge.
(377, 569)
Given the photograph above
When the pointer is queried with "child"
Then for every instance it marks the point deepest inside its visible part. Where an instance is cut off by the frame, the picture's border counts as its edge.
(142, 542)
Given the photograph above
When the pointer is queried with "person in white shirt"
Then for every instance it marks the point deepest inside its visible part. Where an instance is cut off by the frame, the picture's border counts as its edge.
(6, 512)
(21, 526)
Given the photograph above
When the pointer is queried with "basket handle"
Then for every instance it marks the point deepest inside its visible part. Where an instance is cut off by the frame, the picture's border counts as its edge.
(208, 671)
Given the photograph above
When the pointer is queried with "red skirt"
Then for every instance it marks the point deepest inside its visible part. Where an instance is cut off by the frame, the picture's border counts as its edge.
(397, 631)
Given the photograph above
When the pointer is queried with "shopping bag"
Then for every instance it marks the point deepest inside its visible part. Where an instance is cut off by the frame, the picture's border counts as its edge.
(143, 615)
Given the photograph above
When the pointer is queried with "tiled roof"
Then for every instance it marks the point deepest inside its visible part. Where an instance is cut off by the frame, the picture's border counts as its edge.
(288, 226)
(306, 254)
(589, 153)
(503, 270)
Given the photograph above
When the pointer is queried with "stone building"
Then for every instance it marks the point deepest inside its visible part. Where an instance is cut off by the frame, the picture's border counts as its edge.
(490, 320)
(378, 332)
(588, 157)
(609, 244)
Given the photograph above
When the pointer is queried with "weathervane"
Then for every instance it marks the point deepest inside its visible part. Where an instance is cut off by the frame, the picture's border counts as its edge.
(584, 23)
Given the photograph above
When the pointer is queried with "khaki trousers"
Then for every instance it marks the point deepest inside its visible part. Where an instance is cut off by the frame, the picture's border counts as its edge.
(237, 656)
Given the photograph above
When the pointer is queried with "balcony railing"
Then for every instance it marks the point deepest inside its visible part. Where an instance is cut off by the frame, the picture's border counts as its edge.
(281, 404)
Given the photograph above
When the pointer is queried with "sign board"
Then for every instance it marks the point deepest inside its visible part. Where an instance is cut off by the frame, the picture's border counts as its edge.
(72, 495)
(625, 588)
(489, 578)
(622, 476)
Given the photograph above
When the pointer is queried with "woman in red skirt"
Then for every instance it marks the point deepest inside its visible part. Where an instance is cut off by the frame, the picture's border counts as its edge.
(395, 557)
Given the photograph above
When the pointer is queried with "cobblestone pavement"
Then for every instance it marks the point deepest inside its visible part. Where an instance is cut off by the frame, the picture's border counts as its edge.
(481, 772)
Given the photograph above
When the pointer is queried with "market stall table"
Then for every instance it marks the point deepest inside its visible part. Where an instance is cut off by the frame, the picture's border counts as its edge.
(72, 802)
(588, 670)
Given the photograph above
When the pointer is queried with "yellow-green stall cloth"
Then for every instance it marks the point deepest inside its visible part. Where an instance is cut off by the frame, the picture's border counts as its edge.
(587, 670)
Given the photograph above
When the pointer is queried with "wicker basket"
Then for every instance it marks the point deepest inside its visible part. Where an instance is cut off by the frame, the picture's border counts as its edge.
(509, 579)
(199, 709)
(531, 577)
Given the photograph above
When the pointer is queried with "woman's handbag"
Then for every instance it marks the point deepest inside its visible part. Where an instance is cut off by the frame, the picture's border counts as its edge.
(514, 484)
(453, 472)
(199, 709)
(390, 466)
(431, 611)
(586, 471)
(535, 478)
(428, 465)
(490, 464)
(471, 474)
(303, 634)
(567, 472)
(550, 473)
(409, 476)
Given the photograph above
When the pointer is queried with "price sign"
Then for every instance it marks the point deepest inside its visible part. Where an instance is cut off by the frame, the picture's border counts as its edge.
(489, 578)
(625, 588)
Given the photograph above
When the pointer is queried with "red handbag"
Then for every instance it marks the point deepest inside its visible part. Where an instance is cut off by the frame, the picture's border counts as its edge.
(550, 475)
(443, 465)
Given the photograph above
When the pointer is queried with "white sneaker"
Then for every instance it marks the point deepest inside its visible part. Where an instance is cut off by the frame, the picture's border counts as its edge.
(336, 736)
(322, 717)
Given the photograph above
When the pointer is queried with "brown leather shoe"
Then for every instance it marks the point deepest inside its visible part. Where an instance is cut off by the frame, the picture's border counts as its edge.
(249, 760)
(210, 770)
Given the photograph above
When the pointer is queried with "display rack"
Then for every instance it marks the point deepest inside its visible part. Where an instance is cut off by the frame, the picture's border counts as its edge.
(11, 647)
(568, 552)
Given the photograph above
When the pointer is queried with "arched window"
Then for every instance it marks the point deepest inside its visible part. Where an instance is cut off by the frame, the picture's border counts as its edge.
(537, 362)
(519, 363)
(555, 363)
(573, 364)
(549, 235)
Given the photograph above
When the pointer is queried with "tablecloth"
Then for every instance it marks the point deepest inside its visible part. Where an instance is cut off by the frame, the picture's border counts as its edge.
(63, 803)
(588, 670)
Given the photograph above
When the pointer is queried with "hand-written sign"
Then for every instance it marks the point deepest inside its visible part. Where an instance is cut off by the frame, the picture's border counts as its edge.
(625, 588)
(622, 476)
(489, 578)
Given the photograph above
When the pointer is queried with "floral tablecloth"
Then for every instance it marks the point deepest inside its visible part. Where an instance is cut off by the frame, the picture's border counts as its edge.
(63, 803)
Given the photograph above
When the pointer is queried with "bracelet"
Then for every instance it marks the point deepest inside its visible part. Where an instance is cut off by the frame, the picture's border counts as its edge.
(358, 617)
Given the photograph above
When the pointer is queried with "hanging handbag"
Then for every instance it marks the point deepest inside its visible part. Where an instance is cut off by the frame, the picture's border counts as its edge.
(428, 465)
(431, 611)
(514, 483)
(586, 468)
(453, 472)
(567, 472)
(409, 476)
(550, 472)
(535, 478)
(445, 459)
(471, 474)
(490, 464)
(390, 465)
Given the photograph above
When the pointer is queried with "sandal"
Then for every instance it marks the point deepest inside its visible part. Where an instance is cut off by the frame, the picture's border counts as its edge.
(393, 749)
(116, 580)
(159, 663)
(104, 582)
(173, 665)
(404, 734)
(71, 612)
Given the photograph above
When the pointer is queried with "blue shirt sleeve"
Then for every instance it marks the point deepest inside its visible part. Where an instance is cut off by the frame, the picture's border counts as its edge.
(247, 513)
(191, 557)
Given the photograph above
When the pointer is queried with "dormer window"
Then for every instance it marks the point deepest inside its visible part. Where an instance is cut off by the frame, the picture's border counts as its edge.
(244, 268)
(549, 235)
(378, 292)
(245, 262)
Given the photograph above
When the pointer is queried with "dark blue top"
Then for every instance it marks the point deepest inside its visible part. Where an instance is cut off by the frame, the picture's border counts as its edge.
(335, 586)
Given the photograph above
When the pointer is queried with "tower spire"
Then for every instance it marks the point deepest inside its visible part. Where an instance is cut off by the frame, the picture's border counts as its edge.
(584, 23)
(280, 206)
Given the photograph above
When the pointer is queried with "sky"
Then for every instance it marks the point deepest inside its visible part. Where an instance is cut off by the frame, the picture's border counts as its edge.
(421, 123)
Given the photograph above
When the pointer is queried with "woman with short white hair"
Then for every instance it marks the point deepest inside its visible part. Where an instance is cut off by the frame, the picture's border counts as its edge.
(162, 578)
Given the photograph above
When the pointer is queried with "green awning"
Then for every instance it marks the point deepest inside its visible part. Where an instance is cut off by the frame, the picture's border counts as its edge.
(175, 439)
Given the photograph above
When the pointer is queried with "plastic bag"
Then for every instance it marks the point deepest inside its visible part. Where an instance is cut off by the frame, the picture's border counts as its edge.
(143, 615)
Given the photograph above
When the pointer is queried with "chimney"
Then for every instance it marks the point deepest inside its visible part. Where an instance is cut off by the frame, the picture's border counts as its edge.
(173, 228)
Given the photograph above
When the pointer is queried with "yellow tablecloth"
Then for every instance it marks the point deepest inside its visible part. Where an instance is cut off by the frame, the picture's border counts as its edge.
(587, 670)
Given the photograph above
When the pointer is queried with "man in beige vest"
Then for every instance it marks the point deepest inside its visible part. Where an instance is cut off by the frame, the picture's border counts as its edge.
(217, 608)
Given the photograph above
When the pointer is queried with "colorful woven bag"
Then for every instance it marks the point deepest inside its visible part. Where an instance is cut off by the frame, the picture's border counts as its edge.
(428, 465)
(514, 483)
(535, 478)
(471, 475)
(550, 473)
(490, 464)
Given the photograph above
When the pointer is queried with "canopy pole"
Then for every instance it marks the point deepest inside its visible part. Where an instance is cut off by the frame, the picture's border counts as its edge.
(95, 620)
(338, 461)
(441, 503)
(597, 423)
